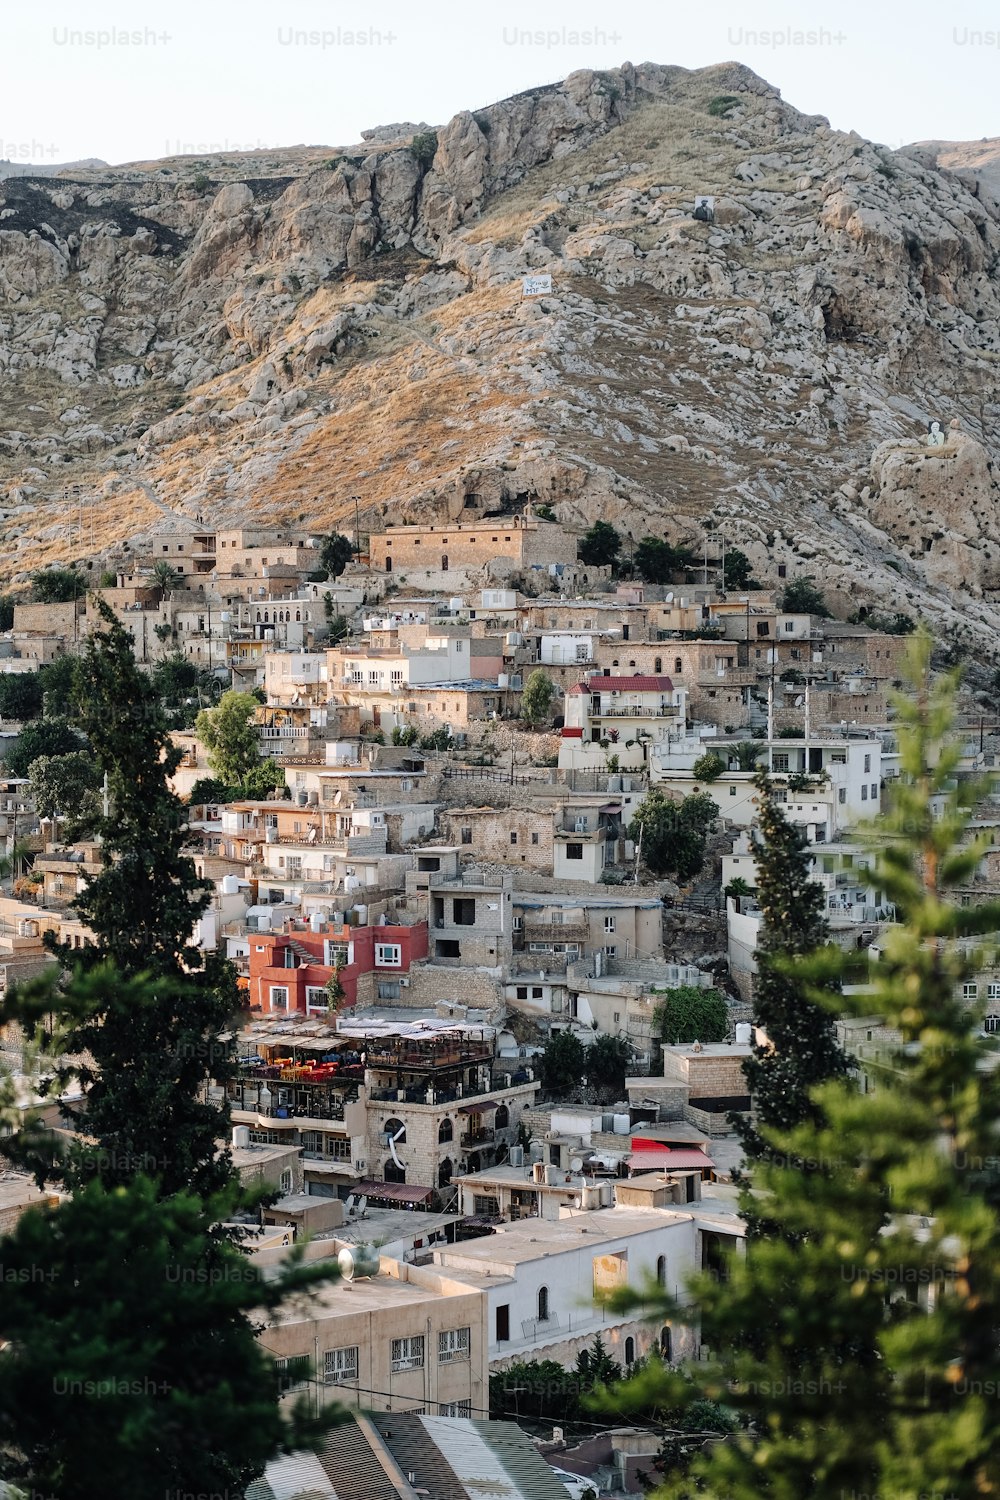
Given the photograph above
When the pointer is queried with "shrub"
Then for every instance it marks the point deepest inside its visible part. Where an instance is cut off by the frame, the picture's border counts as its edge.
(708, 767)
(424, 146)
(722, 105)
(689, 1014)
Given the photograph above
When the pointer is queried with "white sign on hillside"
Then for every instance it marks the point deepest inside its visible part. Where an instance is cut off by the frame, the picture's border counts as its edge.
(536, 286)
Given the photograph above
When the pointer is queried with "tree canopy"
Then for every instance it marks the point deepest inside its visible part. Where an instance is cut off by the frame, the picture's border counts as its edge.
(536, 699)
(600, 546)
(802, 597)
(673, 834)
(658, 562)
(690, 1014)
(55, 736)
(229, 734)
(562, 1065)
(335, 553)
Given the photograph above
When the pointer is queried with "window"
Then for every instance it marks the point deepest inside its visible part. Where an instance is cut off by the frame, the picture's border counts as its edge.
(408, 1353)
(446, 1130)
(993, 991)
(463, 911)
(513, 836)
(388, 955)
(991, 1024)
(338, 1150)
(316, 997)
(864, 792)
(396, 1129)
(874, 791)
(630, 1350)
(455, 1409)
(732, 791)
(522, 992)
(574, 851)
(388, 989)
(340, 1365)
(868, 763)
(285, 1181)
(779, 762)
(534, 838)
(543, 1304)
(609, 924)
(661, 1270)
(536, 992)
(610, 950)
(970, 991)
(466, 835)
(842, 795)
(453, 1345)
(279, 997)
(293, 1372)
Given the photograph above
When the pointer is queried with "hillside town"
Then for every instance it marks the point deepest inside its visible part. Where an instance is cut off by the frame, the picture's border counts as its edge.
(497, 990)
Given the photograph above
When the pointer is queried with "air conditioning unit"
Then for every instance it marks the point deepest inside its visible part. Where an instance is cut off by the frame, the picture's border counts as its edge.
(404, 984)
(360, 1166)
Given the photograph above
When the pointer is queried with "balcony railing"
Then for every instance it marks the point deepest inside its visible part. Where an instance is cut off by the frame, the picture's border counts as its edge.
(478, 1138)
(634, 711)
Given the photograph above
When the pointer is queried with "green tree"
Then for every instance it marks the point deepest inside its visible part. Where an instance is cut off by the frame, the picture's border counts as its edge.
(166, 577)
(338, 629)
(673, 835)
(209, 789)
(131, 1365)
(58, 682)
(143, 1053)
(563, 1063)
(536, 700)
(20, 696)
(708, 767)
(600, 546)
(229, 734)
(658, 562)
(536, 1390)
(802, 597)
(608, 1061)
(689, 1014)
(174, 679)
(40, 737)
(58, 586)
(736, 571)
(7, 612)
(863, 1383)
(66, 785)
(424, 146)
(595, 1367)
(335, 553)
(801, 1049)
(747, 754)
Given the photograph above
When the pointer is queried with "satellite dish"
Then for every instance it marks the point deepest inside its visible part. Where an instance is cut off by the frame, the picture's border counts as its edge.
(576, 1163)
(669, 599)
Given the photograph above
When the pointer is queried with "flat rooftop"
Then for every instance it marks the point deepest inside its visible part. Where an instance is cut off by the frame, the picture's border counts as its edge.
(386, 1225)
(534, 1239)
(363, 1294)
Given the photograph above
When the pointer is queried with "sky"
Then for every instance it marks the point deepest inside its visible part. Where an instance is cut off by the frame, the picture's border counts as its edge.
(99, 78)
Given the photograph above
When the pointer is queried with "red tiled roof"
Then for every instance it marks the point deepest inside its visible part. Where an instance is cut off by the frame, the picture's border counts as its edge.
(624, 685)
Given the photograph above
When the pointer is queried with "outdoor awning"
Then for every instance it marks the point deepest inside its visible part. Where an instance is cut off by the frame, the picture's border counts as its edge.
(669, 1161)
(398, 1192)
(478, 1109)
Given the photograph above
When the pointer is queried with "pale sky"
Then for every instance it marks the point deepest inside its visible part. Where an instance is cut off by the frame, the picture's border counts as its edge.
(193, 77)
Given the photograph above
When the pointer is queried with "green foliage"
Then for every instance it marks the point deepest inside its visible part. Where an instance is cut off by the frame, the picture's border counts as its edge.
(335, 553)
(67, 785)
(209, 789)
(338, 628)
(891, 622)
(736, 571)
(165, 576)
(723, 104)
(58, 586)
(747, 754)
(608, 1061)
(229, 734)
(7, 612)
(802, 597)
(802, 1048)
(536, 699)
(146, 1014)
(54, 736)
(545, 513)
(20, 695)
(201, 183)
(737, 888)
(673, 834)
(563, 1063)
(405, 734)
(708, 767)
(58, 680)
(855, 1380)
(175, 678)
(424, 146)
(107, 580)
(600, 546)
(261, 780)
(438, 739)
(689, 1014)
(658, 562)
(543, 1391)
(131, 1365)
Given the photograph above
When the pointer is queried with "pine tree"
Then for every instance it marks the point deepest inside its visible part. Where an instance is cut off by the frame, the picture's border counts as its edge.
(801, 1048)
(877, 1298)
(144, 1053)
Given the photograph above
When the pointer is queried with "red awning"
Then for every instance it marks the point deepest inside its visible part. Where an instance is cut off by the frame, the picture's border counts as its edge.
(478, 1109)
(669, 1161)
(399, 1192)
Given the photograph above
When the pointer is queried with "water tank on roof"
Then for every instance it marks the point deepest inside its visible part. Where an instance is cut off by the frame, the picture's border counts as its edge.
(744, 1031)
(230, 885)
(241, 1137)
(316, 921)
(302, 799)
(550, 1175)
(622, 1124)
(362, 915)
(358, 1260)
(607, 1124)
(503, 680)
(455, 605)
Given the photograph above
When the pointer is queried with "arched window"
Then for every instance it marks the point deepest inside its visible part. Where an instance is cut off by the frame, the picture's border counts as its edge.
(396, 1129)
(666, 1343)
(392, 1173)
(502, 1117)
(298, 616)
(630, 1351)
(678, 664)
(446, 1130)
(444, 1172)
(658, 665)
(661, 1270)
(267, 618)
(444, 563)
(543, 1304)
(258, 617)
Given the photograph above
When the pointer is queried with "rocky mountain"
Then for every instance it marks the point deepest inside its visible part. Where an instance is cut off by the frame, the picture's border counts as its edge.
(274, 334)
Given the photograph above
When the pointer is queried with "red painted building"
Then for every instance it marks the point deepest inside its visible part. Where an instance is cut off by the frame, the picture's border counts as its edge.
(289, 971)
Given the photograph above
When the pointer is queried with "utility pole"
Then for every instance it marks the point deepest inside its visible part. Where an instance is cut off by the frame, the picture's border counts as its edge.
(357, 527)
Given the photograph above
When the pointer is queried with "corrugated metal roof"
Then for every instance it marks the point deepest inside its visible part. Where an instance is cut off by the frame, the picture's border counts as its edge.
(356, 1472)
(624, 685)
(493, 1460)
(293, 1475)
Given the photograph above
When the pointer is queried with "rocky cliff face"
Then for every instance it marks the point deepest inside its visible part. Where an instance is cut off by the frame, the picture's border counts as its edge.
(275, 334)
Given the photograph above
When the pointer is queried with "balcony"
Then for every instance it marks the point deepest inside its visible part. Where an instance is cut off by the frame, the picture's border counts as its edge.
(478, 1138)
(555, 932)
(635, 711)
